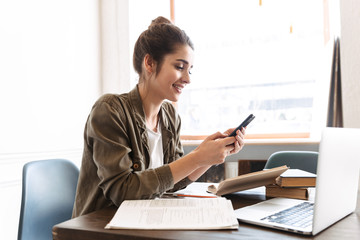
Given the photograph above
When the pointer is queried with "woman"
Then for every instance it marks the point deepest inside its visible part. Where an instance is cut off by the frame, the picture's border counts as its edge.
(132, 147)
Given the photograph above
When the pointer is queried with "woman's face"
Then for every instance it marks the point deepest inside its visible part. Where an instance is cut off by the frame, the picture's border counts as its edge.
(174, 73)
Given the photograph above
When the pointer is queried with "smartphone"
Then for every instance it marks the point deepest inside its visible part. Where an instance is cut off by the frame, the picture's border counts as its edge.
(243, 124)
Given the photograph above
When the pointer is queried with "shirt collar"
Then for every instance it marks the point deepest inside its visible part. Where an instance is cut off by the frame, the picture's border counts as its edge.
(134, 96)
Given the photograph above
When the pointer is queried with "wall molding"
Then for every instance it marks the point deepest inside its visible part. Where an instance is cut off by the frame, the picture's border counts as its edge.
(32, 156)
(11, 164)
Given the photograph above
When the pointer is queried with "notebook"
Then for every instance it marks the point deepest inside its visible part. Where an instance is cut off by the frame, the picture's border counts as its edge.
(336, 189)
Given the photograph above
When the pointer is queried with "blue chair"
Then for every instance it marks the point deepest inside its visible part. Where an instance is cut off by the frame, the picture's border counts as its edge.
(48, 193)
(304, 160)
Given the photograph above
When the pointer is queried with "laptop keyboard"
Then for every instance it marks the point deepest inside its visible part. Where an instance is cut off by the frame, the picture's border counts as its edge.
(300, 215)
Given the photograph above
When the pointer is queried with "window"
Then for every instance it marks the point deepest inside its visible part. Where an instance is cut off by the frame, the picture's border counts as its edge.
(269, 58)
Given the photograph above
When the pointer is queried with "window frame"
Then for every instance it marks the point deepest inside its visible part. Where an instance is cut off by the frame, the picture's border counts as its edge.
(259, 136)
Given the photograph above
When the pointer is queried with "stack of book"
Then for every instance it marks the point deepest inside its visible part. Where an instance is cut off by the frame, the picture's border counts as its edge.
(293, 183)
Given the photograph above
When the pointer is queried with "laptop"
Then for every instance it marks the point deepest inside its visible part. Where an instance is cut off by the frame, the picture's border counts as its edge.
(336, 189)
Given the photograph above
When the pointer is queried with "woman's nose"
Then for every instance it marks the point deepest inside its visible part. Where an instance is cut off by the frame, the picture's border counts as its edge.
(186, 78)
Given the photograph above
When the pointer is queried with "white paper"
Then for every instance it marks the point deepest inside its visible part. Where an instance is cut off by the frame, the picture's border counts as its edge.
(196, 189)
(187, 213)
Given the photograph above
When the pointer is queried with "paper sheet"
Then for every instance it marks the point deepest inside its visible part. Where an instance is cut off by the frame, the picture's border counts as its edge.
(187, 213)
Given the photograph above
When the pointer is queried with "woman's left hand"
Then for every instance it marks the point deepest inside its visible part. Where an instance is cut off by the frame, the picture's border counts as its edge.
(239, 144)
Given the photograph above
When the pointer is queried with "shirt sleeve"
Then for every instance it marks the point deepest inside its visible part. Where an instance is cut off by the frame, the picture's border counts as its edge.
(179, 151)
(108, 136)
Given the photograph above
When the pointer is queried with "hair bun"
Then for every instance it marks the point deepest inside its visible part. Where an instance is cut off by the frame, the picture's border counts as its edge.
(159, 20)
(161, 38)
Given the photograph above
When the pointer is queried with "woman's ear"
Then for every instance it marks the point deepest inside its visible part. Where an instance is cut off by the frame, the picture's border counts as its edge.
(149, 64)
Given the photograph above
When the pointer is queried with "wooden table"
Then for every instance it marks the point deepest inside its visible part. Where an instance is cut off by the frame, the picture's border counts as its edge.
(91, 227)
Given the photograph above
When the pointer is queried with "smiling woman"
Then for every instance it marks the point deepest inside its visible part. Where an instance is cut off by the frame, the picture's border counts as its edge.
(132, 140)
(175, 75)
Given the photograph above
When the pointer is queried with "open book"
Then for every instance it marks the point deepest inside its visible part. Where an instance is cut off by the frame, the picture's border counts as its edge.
(247, 181)
(184, 214)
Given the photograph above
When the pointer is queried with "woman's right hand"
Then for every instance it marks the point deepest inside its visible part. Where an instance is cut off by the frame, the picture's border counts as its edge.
(214, 149)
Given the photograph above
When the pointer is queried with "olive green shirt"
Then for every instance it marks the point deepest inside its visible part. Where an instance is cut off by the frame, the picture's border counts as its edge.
(116, 154)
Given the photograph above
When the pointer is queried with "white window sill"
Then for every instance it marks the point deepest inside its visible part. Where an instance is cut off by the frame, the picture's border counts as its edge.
(274, 141)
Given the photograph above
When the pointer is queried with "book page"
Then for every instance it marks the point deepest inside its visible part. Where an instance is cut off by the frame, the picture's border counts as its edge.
(297, 173)
(188, 213)
(196, 189)
(248, 181)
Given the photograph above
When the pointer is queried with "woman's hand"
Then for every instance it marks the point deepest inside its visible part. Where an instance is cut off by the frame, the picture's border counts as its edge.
(213, 150)
(216, 147)
(240, 136)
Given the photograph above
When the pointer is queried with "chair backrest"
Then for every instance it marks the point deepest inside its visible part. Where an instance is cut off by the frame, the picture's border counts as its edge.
(304, 160)
(48, 193)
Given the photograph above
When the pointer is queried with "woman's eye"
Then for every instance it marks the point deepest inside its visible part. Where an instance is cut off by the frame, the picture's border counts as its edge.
(181, 68)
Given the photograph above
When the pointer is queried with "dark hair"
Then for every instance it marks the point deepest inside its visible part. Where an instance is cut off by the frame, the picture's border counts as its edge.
(161, 38)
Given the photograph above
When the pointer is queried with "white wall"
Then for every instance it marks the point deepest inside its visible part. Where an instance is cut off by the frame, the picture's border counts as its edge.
(49, 78)
(350, 61)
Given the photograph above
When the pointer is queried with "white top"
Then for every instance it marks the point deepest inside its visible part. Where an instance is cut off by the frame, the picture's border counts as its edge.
(155, 148)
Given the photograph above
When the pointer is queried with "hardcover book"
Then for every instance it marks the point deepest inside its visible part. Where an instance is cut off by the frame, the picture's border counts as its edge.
(296, 178)
(277, 191)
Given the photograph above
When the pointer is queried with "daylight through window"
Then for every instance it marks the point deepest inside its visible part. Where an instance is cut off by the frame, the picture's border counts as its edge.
(254, 57)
